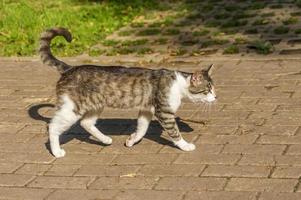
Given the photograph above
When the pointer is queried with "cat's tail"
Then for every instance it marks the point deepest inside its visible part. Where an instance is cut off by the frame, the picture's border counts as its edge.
(45, 51)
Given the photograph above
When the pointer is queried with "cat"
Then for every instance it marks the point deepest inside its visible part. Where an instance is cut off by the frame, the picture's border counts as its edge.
(84, 91)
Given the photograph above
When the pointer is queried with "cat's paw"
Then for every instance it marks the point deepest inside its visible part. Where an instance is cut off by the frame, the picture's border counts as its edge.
(107, 140)
(185, 146)
(188, 147)
(59, 153)
(129, 142)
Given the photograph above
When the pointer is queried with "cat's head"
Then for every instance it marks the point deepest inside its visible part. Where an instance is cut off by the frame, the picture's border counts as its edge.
(201, 87)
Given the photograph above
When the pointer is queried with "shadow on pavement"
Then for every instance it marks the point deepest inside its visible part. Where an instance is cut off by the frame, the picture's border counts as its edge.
(111, 126)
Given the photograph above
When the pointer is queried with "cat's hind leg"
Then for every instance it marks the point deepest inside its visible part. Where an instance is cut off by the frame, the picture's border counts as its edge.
(88, 123)
(144, 118)
(63, 119)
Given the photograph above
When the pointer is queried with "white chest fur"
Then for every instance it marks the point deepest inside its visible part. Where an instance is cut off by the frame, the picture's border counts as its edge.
(176, 92)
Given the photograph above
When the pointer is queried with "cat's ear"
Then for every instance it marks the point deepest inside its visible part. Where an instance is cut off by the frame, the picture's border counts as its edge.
(209, 70)
(196, 78)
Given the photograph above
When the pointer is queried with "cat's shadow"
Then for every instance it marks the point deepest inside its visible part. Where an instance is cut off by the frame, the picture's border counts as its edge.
(110, 127)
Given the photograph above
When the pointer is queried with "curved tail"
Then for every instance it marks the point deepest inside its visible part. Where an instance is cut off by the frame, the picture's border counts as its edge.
(45, 52)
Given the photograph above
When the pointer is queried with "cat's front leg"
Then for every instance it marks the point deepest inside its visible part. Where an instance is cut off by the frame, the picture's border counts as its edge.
(167, 120)
(144, 118)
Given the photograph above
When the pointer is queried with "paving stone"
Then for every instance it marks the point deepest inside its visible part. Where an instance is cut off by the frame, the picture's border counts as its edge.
(83, 159)
(190, 183)
(201, 148)
(149, 195)
(264, 185)
(279, 196)
(145, 159)
(248, 148)
(172, 170)
(254, 149)
(258, 160)
(60, 182)
(236, 171)
(82, 194)
(137, 149)
(218, 195)
(108, 170)
(9, 167)
(24, 193)
(139, 182)
(225, 159)
(271, 139)
(62, 170)
(34, 169)
(227, 139)
(44, 158)
(14, 179)
(294, 149)
(287, 172)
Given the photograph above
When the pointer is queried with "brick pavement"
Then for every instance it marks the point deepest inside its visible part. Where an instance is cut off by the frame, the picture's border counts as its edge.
(248, 149)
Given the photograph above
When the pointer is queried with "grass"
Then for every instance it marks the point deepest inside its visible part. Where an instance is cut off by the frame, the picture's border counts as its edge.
(126, 33)
(298, 31)
(171, 31)
(161, 41)
(96, 52)
(291, 20)
(201, 32)
(134, 42)
(281, 30)
(110, 43)
(234, 23)
(232, 49)
(178, 52)
(261, 22)
(144, 50)
(222, 15)
(90, 22)
(149, 31)
(189, 42)
(251, 31)
(262, 47)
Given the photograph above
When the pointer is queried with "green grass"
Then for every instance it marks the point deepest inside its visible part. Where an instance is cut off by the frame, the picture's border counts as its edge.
(90, 22)
(291, 20)
(234, 23)
(110, 43)
(161, 41)
(298, 31)
(201, 32)
(262, 47)
(126, 33)
(149, 31)
(144, 50)
(281, 30)
(251, 31)
(171, 31)
(134, 42)
(261, 22)
(232, 49)
(276, 6)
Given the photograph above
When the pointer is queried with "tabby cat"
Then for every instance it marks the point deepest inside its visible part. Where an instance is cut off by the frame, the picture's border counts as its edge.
(84, 91)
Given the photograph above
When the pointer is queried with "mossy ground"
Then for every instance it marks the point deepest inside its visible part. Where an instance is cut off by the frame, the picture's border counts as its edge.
(174, 28)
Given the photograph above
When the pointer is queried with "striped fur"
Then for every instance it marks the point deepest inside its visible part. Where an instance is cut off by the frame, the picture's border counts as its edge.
(85, 91)
(45, 52)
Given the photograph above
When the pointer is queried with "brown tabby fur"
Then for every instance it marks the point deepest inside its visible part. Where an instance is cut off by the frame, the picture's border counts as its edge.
(92, 88)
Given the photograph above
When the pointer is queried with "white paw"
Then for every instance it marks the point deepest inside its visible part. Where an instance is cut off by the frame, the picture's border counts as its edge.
(185, 146)
(129, 142)
(59, 153)
(107, 140)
